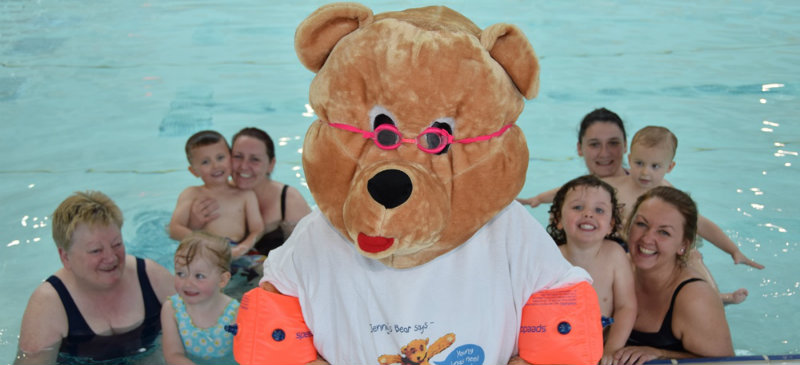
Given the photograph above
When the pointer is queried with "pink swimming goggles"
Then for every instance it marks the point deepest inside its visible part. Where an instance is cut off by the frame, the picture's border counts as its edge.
(431, 140)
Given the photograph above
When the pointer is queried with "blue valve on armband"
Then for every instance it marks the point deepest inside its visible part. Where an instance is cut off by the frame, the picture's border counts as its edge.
(232, 328)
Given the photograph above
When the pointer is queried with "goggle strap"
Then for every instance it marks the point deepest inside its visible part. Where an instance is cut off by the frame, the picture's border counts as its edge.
(485, 137)
(350, 128)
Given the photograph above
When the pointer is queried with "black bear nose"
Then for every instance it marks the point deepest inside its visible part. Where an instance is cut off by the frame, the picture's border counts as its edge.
(390, 188)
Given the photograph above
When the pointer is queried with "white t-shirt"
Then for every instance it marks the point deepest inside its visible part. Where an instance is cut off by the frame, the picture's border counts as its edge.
(359, 309)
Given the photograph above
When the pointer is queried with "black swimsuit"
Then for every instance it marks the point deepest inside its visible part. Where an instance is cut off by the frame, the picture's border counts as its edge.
(663, 339)
(81, 341)
(272, 240)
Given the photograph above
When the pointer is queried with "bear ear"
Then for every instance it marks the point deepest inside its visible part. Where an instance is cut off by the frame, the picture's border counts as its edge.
(508, 46)
(318, 34)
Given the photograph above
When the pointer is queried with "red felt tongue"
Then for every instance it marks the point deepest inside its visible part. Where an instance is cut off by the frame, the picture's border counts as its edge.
(374, 244)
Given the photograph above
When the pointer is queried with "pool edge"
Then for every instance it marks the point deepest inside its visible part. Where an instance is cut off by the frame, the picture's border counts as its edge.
(733, 360)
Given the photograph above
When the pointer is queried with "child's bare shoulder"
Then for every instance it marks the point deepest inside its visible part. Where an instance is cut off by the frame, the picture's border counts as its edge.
(613, 251)
(239, 196)
(191, 192)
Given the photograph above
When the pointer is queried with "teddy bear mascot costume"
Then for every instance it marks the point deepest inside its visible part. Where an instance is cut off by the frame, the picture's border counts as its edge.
(418, 252)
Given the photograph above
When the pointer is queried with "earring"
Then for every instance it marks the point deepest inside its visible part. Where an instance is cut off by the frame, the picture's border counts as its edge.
(681, 251)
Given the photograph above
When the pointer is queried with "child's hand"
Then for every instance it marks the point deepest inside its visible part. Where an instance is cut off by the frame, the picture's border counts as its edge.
(239, 251)
(607, 359)
(269, 287)
(533, 202)
(636, 355)
(318, 361)
(516, 360)
(740, 258)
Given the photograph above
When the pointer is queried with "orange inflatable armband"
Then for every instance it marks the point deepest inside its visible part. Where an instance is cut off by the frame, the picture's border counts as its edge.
(562, 326)
(270, 330)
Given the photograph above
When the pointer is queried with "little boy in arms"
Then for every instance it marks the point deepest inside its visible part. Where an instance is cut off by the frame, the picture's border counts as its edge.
(239, 217)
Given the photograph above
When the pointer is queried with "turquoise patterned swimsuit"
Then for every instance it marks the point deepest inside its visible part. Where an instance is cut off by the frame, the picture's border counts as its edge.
(205, 343)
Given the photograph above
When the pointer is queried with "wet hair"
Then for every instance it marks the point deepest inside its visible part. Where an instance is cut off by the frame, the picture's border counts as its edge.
(214, 248)
(90, 207)
(203, 138)
(259, 135)
(652, 136)
(558, 203)
(600, 115)
(683, 203)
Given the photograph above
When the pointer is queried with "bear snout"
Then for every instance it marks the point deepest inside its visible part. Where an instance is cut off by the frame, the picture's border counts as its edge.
(390, 188)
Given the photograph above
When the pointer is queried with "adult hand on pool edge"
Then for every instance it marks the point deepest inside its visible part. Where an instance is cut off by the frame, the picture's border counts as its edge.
(637, 355)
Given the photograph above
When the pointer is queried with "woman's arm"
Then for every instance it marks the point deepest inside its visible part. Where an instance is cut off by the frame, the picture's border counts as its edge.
(44, 325)
(171, 343)
(637, 355)
(296, 206)
(699, 321)
(161, 279)
(712, 233)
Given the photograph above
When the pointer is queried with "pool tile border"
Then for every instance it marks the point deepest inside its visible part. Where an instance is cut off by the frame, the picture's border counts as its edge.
(755, 359)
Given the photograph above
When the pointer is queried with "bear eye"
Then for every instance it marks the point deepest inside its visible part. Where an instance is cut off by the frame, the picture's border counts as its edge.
(433, 139)
(379, 116)
(381, 119)
(386, 136)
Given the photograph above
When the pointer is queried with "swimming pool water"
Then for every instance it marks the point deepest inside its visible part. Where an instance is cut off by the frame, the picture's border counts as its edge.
(103, 97)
